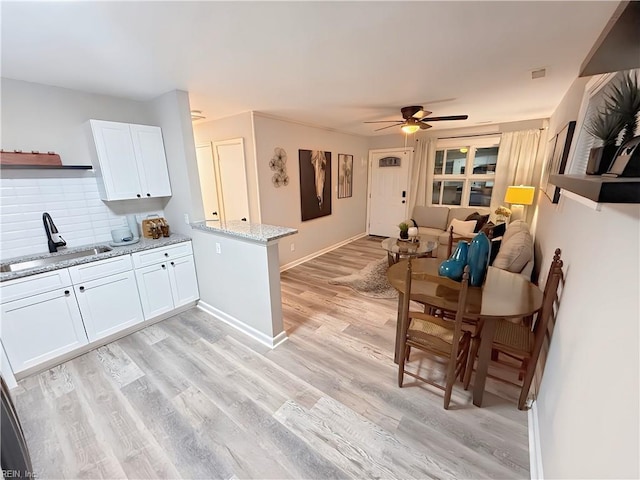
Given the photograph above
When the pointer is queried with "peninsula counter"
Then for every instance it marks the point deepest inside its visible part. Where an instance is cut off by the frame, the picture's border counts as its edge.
(239, 276)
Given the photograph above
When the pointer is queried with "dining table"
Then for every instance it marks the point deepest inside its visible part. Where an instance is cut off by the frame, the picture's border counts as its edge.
(503, 295)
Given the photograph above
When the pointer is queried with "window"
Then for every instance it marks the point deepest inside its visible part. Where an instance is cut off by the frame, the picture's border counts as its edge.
(464, 170)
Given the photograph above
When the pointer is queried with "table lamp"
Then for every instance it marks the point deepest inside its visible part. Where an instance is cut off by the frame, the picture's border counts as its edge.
(518, 197)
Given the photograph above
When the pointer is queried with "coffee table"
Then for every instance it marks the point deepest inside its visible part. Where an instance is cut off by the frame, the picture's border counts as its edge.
(397, 248)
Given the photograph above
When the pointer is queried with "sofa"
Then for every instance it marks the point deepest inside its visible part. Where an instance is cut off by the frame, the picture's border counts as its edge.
(435, 221)
(512, 250)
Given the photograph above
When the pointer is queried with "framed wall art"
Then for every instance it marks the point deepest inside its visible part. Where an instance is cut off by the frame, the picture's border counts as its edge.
(559, 159)
(345, 175)
(544, 181)
(315, 183)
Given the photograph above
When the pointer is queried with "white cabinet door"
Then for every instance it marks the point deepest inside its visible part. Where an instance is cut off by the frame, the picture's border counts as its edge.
(184, 285)
(41, 327)
(109, 304)
(118, 167)
(152, 161)
(155, 290)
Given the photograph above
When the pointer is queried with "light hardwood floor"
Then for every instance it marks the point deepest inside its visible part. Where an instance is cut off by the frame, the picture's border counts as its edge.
(192, 398)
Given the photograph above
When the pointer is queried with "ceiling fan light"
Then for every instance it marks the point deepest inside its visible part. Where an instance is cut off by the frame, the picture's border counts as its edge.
(410, 128)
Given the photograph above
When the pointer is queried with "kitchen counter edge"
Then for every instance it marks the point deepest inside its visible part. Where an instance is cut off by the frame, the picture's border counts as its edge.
(143, 244)
(256, 232)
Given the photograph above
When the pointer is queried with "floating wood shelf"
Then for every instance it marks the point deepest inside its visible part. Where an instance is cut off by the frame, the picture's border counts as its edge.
(35, 160)
(45, 167)
(600, 189)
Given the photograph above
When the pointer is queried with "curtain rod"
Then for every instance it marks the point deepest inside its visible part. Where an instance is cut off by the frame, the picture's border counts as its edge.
(478, 135)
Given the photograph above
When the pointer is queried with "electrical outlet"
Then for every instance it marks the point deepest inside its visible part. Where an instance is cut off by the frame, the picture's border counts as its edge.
(218, 249)
(293, 247)
(186, 218)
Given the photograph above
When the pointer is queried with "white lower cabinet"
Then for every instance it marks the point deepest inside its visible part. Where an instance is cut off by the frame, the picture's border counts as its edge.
(168, 284)
(47, 315)
(41, 327)
(109, 304)
(184, 285)
(155, 290)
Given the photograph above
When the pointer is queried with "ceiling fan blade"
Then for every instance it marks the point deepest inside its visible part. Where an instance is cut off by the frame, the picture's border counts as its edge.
(421, 114)
(424, 126)
(386, 121)
(450, 117)
(388, 126)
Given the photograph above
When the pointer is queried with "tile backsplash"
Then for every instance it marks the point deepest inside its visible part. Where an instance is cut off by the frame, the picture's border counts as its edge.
(74, 205)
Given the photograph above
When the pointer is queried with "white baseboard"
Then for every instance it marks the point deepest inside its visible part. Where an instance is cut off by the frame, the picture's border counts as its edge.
(271, 342)
(535, 454)
(300, 261)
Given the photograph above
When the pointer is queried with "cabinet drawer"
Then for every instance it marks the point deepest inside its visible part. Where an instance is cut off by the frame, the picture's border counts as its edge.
(34, 284)
(157, 255)
(101, 268)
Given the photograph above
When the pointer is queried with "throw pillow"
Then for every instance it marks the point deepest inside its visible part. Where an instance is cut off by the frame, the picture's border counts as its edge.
(464, 228)
(481, 219)
(498, 230)
(515, 252)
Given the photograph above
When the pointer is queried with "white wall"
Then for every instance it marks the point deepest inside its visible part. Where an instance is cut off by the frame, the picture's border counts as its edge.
(588, 403)
(281, 206)
(236, 126)
(45, 118)
(171, 112)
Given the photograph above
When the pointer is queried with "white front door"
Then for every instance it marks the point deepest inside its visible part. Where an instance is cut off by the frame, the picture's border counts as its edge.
(388, 190)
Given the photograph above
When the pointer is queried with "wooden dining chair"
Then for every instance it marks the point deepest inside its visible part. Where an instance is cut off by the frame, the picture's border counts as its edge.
(436, 336)
(518, 341)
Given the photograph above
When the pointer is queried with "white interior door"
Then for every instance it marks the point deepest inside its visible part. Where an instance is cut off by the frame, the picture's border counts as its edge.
(233, 178)
(388, 190)
(208, 183)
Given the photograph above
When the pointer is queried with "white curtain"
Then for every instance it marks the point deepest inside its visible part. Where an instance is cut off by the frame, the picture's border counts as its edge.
(425, 154)
(516, 163)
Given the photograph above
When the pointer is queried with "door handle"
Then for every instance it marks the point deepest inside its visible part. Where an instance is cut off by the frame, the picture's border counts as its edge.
(404, 194)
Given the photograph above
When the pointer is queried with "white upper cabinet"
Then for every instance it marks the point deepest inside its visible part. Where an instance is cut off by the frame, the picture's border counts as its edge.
(131, 161)
(149, 149)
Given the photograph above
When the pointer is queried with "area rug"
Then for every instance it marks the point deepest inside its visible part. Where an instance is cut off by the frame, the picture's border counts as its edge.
(371, 281)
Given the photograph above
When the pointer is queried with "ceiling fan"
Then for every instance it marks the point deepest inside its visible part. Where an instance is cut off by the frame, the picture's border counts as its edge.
(415, 118)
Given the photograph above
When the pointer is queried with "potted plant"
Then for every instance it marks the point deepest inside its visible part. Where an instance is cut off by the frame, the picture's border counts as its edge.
(604, 125)
(404, 230)
(502, 213)
(624, 99)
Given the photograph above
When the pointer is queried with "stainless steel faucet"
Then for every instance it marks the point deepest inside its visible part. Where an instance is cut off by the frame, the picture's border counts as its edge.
(53, 237)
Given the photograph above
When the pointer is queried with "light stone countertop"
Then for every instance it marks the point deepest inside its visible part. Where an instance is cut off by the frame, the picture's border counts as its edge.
(256, 232)
(143, 244)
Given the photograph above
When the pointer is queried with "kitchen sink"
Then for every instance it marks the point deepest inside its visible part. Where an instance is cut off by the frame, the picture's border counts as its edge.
(39, 262)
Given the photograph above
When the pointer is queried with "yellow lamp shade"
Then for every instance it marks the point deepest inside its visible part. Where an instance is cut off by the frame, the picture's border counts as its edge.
(520, 195)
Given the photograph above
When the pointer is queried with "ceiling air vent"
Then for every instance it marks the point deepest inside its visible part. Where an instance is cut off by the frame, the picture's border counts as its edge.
(540, 73)
(197, 115)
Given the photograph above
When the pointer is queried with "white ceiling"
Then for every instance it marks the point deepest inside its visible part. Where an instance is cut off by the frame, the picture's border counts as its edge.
(332, 64)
